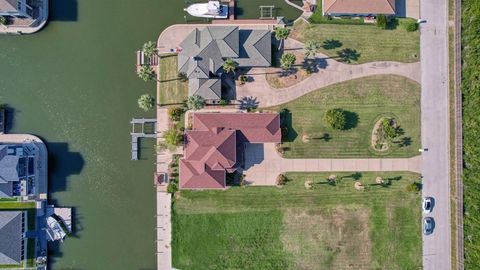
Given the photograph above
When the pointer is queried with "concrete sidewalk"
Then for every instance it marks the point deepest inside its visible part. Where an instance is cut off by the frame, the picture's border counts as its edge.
(263, 164)
(330, 72)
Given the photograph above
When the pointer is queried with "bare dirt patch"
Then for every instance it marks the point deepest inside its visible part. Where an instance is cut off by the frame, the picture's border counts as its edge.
(278, 78)
(335, 238)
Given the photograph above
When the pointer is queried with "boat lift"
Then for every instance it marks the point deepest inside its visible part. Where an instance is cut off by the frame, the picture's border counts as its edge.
(137, 135)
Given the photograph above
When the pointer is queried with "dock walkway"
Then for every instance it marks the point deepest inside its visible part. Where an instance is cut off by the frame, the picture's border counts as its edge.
(137, 135)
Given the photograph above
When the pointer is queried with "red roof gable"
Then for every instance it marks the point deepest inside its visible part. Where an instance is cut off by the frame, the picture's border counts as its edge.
(211, 147)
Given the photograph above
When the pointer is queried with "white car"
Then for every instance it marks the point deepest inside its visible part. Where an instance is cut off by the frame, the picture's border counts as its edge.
(427, 205)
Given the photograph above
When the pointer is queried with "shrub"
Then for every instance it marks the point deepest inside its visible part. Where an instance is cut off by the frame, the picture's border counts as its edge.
(281, 180)
(195, 102)
(410, 25)
(175, 113)
(3, 20)
(243, 79)
(172, 138)
(172, 187)
(382, 21)
(287, 61)
(336, 118)
(223, 102)
(413, 187)
(389, 128)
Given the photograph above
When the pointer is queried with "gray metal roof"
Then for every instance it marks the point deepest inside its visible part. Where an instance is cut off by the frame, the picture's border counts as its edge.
(11, 237)
(206, 88)
(8, 166)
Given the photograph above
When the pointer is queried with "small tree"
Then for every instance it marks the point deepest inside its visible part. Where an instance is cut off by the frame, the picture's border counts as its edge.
(281, 34)
(410, 25)
(149, 48)
(230, 65)
(413, 187)
(3, 20)
(287, 61)
(195, 102)
(389, 129)
(146, 102)
(382, 21)
(146, 73)
(175, 113)
(312, 47)
(336, 118)
(172, 137)
(281, 180)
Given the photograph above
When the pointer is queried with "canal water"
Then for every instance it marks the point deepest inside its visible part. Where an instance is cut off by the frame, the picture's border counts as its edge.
(73, 84)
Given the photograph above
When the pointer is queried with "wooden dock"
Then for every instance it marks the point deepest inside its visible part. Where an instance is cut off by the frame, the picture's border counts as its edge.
(143, 60)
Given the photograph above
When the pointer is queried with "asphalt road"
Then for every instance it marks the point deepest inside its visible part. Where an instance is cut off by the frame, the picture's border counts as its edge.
(435, 130)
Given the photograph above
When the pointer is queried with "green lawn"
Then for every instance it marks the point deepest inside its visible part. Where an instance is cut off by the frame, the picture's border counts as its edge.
(369, 98)
(369, 41)
(327, 227)
(4, 205)
(172, 89)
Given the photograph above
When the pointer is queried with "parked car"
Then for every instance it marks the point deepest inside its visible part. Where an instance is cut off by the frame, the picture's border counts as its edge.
(427, 205)
(428, 225)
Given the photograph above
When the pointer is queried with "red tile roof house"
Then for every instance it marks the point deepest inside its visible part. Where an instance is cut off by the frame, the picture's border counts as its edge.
(216, 144)
(358, 7)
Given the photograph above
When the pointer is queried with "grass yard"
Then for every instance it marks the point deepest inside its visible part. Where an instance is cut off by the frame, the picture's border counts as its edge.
(366, 100)
(370, 42)
(172, 89)
(9, 205)
(327, 227)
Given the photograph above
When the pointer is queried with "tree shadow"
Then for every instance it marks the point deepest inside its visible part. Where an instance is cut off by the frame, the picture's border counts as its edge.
(61, 164)
(331, 44)
(286, 125)
(248, 103)
(326, 137)
(392, 24)
(348, 55)
(355, 176)
(315, 64)
(9, 114)
(405, 141)
(352, 120)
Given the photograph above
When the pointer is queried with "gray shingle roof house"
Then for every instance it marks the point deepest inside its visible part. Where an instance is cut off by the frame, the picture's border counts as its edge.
(9, 171)
(204, 52)
(11, 240)
(15, 8)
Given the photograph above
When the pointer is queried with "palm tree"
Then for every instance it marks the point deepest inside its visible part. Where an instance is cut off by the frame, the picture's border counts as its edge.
(229, 65)
(311, 48)
(146, 102)
(281, 34)
(195, 102)
(146, 73)
(287, 61)
(149, 48)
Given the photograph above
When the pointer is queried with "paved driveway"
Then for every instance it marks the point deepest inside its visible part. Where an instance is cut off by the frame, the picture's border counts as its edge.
(330, 72)
(263, 164)
(435, 130)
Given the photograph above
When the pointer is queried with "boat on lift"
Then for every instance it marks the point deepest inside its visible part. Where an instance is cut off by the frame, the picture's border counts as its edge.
(212, 9)
(54, 230)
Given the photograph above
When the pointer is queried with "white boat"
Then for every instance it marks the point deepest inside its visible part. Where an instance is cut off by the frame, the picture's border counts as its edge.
(212, 9)
(54, 230)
